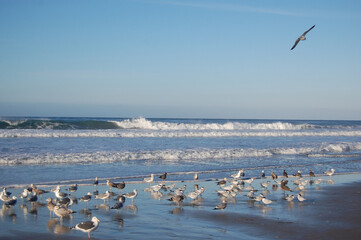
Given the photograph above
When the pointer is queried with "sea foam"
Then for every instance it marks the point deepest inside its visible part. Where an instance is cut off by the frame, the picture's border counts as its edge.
(193, 155)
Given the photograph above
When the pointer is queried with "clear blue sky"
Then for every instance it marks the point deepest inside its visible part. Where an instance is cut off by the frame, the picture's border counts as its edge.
(180, 58)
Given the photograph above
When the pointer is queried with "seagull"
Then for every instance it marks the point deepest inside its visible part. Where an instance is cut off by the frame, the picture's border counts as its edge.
(73, 188)
(285, 174)
(150, 179)
(284, 186)
(119, 204)
(177, 199)
(266, 201)
(258, 198)
(289, 197)
(59, 194)
(157, 187)
(66, 202)
(302, 37)
(238, 175)
(120, 185)
(330, 173)
(4, 192)
(298, 174)
(88, 226)
(24, 194)
(96, 181)
(312, 174)
(222, 182)
(131, 195)
(195, 177)
(111, 184)
(163, 176)
(300, 198)
(32, 198)
(274, 176)
(265, 184)
(12, 201)
(37, 190)
(50, 205)
(221, 206)
(86, 198)
(249, 181)
(62, 211)
(4, 197)
(103, 195)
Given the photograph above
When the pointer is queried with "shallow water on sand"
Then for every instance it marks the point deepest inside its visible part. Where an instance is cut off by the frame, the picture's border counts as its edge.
(151, 216)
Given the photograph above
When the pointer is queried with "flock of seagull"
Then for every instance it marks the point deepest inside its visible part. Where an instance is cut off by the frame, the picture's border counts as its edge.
(229, 188)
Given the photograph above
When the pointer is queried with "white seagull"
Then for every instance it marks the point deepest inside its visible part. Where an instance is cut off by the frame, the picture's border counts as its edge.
(131, 195)
(330, 173)
(266, 201)
(302, 37)
(221, 206)
(88, 226)
(150, 179)
(300, 198)
(238, 175)
(289, 197)
(103, 196)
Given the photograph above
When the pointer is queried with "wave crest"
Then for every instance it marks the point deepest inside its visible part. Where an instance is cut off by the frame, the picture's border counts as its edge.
(194, 155)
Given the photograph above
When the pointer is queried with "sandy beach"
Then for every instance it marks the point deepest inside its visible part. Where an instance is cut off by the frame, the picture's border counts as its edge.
(331, 211)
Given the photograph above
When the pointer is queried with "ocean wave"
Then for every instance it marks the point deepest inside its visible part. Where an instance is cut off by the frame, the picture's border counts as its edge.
(193, 155)
(142, 123)
(146, 124)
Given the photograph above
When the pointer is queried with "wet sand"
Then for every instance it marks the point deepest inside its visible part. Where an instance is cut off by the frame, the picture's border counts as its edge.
(334, 214)
(332, 211)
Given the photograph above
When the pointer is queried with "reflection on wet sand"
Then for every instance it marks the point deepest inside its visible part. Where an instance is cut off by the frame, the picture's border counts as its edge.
(103, 207)
(177, 210)
(86, 211)
(56, 226)
(119, 218)
(133, 208)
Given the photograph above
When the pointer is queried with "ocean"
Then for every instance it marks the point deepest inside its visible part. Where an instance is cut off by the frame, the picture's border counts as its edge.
(51, 151)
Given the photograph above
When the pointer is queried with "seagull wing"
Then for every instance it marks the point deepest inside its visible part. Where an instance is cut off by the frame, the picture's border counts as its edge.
(85, 225)
(304, 34)
(294, 45)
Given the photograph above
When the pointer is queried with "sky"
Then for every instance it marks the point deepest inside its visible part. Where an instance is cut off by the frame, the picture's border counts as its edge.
(181, 59)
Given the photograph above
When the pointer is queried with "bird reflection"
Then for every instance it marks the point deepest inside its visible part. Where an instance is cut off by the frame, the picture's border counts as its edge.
(156, 195)
(119, 218)
(176, 211)
(132, 208)
(104, 207)
(86, 211)
(197, 202)
(51, 224)
(8, 212)
(61, 229)
(290, 205)
(265, 209)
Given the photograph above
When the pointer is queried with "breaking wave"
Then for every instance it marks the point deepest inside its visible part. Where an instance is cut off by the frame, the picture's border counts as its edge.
(164, 124)
(193, 155)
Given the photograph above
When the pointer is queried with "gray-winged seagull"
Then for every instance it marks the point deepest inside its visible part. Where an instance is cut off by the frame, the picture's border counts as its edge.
(302, 37)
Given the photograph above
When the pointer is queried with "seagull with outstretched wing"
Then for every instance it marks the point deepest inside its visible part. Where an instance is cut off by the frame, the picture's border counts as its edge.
(302, 37)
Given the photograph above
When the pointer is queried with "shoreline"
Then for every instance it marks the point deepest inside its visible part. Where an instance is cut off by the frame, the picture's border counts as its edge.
(89, 182)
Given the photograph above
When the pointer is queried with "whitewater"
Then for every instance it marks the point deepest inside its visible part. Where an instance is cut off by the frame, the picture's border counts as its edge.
(43, 150)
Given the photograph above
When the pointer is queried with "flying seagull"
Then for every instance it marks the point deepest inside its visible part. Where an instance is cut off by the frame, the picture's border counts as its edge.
(302, 37)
